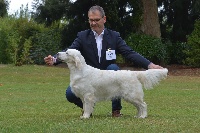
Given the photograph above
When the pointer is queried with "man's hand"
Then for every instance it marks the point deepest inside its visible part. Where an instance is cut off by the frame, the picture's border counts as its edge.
(153, 66)
(49, 60)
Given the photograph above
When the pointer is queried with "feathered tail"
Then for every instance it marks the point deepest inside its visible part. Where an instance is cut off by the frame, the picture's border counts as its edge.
(151, 77)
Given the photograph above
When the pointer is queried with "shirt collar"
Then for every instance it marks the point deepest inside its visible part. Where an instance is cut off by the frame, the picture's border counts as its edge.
(95, 34)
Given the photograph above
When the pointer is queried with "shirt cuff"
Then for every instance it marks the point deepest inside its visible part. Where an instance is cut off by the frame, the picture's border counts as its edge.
(54, 60)
(149, 65)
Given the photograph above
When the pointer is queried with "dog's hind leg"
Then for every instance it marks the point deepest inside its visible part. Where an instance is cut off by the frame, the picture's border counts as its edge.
(141, 108)
(88, 105)
(136, 98)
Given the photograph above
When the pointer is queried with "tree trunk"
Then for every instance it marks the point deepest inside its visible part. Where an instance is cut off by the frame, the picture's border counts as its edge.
(150, 22)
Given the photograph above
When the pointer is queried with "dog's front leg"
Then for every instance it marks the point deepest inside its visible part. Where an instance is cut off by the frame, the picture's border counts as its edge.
(88, 105)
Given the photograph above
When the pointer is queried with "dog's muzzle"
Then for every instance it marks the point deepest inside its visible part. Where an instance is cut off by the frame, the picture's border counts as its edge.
(57, 56)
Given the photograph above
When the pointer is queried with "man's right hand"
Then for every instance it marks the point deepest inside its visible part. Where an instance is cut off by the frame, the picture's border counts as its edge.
(49, 60)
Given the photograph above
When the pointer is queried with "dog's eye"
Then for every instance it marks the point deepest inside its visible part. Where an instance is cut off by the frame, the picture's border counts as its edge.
(66, 53)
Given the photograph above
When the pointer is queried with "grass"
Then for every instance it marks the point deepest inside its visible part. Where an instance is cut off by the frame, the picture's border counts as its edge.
(32, 99)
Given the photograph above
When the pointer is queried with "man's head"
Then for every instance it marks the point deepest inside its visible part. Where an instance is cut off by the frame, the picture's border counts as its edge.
(97, 18)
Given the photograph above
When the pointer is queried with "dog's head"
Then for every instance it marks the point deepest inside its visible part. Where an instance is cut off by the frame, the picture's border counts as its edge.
(72, 57)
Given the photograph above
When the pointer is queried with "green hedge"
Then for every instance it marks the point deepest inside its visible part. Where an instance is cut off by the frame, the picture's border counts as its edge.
(193, 52)
(176, 52)
(23, 41)
(45, 43)
(150, 47)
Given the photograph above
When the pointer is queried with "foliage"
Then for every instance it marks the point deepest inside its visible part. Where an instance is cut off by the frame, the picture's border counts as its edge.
(22, 40)
(3, 40)
(177, 18)
(118, 17)
(175, 51)
(123, 16)
(150, 47)
(120, 60)
(48, 11)
(16, 42)
(3, 8)
(45, 43)
(7, 35)
(20, 33)
(193, 53)
(33, 101)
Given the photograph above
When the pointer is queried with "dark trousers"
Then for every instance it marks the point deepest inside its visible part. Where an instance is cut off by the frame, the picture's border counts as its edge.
(116, 103)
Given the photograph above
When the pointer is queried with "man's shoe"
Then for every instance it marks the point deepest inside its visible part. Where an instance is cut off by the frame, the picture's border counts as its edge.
(116, 113)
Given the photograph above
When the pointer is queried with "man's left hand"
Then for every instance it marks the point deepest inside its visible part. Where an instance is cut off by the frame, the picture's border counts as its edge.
(153, 66)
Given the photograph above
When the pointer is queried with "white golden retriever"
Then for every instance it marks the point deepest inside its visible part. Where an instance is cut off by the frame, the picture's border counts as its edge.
(92, 85)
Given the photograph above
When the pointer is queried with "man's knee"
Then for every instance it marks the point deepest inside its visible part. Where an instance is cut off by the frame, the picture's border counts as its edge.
(113, 67)
(69, 95)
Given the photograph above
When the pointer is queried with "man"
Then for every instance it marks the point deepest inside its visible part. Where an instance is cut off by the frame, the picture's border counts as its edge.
(99, 47)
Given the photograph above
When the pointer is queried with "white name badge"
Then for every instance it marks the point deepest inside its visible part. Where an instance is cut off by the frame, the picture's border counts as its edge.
(110, 55)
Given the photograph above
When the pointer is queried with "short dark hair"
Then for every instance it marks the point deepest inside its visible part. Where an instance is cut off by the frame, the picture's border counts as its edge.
(97, 8)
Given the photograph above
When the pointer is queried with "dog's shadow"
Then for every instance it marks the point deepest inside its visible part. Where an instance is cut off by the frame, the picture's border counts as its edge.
(101, 116)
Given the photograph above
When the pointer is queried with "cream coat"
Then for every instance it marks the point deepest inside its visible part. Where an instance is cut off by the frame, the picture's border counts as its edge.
(92, 85)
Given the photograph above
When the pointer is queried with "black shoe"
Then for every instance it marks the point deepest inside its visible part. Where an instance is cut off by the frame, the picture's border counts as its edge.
(116, 113)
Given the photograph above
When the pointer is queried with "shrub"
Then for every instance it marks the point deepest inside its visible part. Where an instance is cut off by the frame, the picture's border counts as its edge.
(150, 47)
(176, 52)
(193, 52)
(7, 35)
(45, 43)
(3, 41)
(15, 39)
(23, 41)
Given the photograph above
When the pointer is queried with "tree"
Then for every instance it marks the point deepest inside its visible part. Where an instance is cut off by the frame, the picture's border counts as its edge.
(177, 18)
(150, 23)
(3, 8)
(193, 56)
(123, 16)
(48, 11)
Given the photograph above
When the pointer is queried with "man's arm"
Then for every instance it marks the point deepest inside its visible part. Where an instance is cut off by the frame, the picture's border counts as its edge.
(52, 60)
(154, 66)
(133, 56)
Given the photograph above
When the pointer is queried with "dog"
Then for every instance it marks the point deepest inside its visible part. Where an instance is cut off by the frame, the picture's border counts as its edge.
(92, 85)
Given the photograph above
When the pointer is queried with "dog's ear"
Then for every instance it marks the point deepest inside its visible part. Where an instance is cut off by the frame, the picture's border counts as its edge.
(77, 62)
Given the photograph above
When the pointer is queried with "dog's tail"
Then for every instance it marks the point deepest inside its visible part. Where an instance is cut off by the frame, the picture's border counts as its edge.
(151, 77)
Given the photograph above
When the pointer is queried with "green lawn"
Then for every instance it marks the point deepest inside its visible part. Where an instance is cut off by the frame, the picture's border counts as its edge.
(32, 100)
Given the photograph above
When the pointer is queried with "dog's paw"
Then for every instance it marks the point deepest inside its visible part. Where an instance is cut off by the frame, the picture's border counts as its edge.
(84, 117)
(142, 116)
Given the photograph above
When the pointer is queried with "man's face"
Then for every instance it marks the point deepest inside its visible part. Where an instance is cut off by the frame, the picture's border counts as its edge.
(96, 21)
